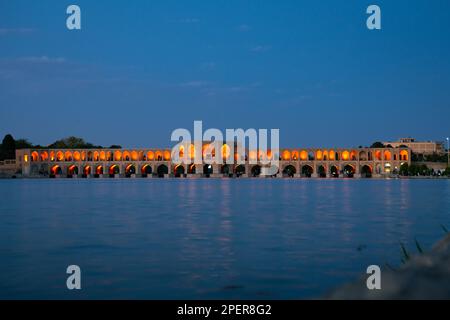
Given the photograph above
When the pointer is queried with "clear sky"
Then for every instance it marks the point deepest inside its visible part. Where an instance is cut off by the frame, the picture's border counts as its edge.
(139, 69)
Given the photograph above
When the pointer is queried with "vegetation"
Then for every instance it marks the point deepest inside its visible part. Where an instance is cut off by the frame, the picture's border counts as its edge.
(435, 157)
(9, 145)
(377, 144)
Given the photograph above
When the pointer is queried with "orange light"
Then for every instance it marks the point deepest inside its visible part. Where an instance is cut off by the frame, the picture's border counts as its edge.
(166, 155)
(286, 155)
(134, 155)
(76, 156)
(225, 151)
(117, 155)
(150, 155)
(319, 155)
(303, 155)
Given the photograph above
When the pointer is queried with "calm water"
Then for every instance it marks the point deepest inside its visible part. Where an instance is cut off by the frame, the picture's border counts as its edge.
(167, 238)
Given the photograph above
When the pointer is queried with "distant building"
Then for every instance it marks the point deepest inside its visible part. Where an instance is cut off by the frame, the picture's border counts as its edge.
(421, 147)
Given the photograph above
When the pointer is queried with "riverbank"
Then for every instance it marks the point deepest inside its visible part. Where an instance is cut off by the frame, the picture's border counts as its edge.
(424, 276)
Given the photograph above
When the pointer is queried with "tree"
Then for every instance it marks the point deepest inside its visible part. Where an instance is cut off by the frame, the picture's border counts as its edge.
(377, 144)
(404, 169)
(8, 149)
(71, 143)
(24, 144)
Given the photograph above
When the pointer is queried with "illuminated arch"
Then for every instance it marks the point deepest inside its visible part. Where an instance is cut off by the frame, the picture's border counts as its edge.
(114, 169)
(52, 155)
(130, 169)
(404, 155)
(353, 155)
(192, 151)
(83, 155)
(34, 156)
(56, 170)
(269, 155)
(76, 156)
(87, 170)
(44, 156)
(332, 155)
(253, 155)
(325, 155)
(319, 155)
(96, 156)
(166, 155)
(150, 155)
(117, 155)
(60, 156)
(226, 151)
(378, 155)
(72, 170)
(363, 156)
(345, 155)
(387, 155)
(99, 169)
(134, 155)
(68, 156)
(146, 169)
(126, 156)
(294, 155)
(286, 155)
(102, 156)
(303, 155)
(159, 155)
(178, 170)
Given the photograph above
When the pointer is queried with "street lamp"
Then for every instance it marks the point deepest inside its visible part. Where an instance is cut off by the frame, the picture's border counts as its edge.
(448, 153)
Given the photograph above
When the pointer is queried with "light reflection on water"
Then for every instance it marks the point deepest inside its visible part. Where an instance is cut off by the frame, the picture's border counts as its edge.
(207, 238)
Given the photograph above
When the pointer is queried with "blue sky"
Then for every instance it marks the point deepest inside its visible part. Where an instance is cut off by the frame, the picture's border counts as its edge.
(139, 69)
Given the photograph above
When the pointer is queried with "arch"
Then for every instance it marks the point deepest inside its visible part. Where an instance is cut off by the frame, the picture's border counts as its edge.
(226, 152)
(303, 155)
(99, 170)
(294, 155)
(126, 156)
(325, 155)
(378, 155)
(191, 168)
(34, 156)
(334, 171)
(146, 169)
(322, 171)
(256, 171)
(349, 171)
(83, 155)
(60, 156)
(311, 155)
(150, 155)
(387, 167)
(191, 151)
(387, 155)
(87, 170)
(44, 156)
(166, 155)
(56, 170)
(130, 169)
(366, 171)
(286, 155)
(77, 156)
(52, 155)
(307, 171)
(178, 170)
(253, 155)
(319, 155)
(289, 170)
(102, 156)
(72, 170)
(353, 155)
(332, 155)
(363, 156)
(207, 169)
(404, 155)
(114, 169)
(117, 155)
(68, 156)
(239, 170)
(109, 156)
(225, 169)
(162, 170)
(159, 155)
(134, 155)
(96, 156)
(345, 155)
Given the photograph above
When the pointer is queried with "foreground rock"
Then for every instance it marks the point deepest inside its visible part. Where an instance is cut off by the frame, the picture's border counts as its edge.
(425, 276)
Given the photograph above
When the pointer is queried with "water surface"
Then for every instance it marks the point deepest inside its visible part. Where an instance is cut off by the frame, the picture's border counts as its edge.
(207, 238)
